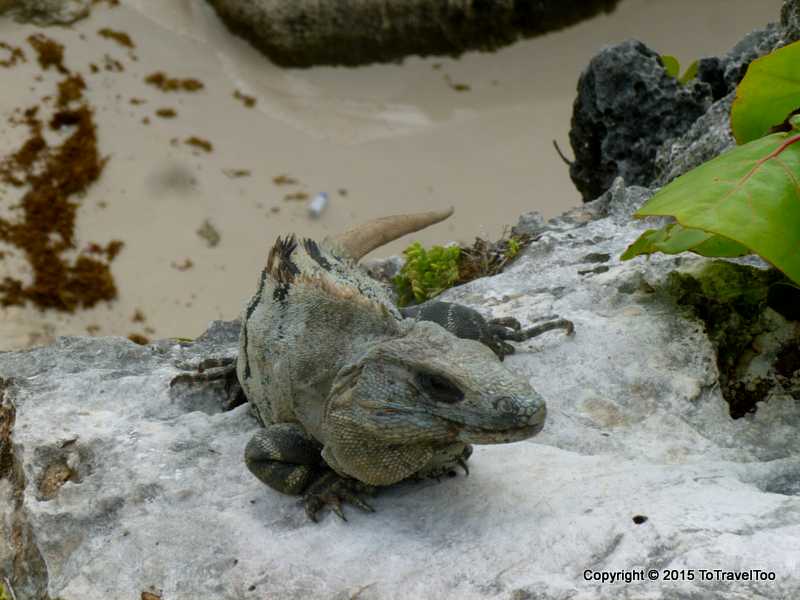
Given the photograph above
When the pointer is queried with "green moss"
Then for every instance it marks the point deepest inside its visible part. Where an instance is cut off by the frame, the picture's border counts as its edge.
(729, 282)
(730, 299)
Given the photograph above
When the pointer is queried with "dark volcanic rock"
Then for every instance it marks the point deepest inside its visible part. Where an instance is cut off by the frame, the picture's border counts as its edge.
(711, 134)
(790, 19)
(633, 120)
(302, 33)
(707, 138)
(627, 106)
(724, 73)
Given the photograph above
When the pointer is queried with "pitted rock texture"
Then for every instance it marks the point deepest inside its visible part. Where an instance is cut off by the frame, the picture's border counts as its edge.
(711, 134)
(707, 138)
(632, 120)
(790, 19)
(627, 106)
(302, 33)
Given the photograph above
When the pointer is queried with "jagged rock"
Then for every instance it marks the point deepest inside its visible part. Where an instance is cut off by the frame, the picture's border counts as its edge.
(627, 106)
(790, 19)
(126, 486)
(632, 120)
(47, 12)
(724, 73)
(711, 134)
(302, 33)
(708, 137)
(734, 302)
(755, 44)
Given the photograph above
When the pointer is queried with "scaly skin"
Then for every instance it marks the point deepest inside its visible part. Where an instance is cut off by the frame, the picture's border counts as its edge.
(351, 394)
(465, 322)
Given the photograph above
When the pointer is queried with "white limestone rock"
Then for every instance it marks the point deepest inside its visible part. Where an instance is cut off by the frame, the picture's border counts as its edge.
(157, 497)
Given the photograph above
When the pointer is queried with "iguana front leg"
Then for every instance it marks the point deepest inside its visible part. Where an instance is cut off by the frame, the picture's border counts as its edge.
(332, 489)
(287, 460)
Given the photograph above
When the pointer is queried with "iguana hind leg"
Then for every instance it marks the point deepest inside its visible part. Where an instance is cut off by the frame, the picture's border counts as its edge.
(285, 458)
(468, 323)
(214, 369)
(508, 328)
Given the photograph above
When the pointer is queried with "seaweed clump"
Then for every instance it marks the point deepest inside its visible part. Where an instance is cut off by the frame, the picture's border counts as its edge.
(55, 177)
(173, 84)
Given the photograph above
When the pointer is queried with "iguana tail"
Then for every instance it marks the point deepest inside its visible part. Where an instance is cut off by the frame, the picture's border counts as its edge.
(363, 239)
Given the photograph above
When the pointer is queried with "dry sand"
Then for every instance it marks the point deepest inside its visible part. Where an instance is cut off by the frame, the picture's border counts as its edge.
(395, 138)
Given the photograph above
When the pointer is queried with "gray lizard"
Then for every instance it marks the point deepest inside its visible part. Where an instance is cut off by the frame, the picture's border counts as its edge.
(351, 394)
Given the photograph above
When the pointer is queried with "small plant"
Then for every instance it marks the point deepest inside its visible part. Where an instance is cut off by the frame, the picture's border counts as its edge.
(427, 273)
(748, 199)
(673, 69)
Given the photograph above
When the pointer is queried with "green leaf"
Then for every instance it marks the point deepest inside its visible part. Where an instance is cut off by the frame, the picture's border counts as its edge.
(671, 65)
(749, 195)
(691, 73)
(674, 239)
(769, 91)
(721, 247)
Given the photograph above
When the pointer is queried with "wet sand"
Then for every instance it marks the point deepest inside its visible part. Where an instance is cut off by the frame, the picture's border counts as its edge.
(393, 138)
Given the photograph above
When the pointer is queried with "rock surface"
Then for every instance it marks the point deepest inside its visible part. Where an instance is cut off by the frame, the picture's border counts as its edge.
(114, 485)
(627, 106)
(47, 12)
(302, 33)
(630, 119)
(708, 137)
(126, 487)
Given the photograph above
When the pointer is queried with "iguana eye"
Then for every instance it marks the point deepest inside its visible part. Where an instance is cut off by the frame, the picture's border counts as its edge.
(439, 388)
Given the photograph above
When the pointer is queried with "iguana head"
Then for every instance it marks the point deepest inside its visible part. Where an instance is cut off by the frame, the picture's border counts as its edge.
(427, 389)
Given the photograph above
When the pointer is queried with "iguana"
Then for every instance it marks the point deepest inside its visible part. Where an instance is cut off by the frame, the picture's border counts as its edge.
(351, 394)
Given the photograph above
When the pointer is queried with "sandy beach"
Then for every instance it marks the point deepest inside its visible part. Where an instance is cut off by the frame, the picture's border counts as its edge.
(475, 133)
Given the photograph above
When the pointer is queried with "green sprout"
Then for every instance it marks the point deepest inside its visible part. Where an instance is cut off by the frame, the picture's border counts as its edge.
(427, 273)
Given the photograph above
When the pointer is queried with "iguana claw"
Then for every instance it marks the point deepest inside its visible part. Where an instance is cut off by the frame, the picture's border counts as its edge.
(332, 489)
